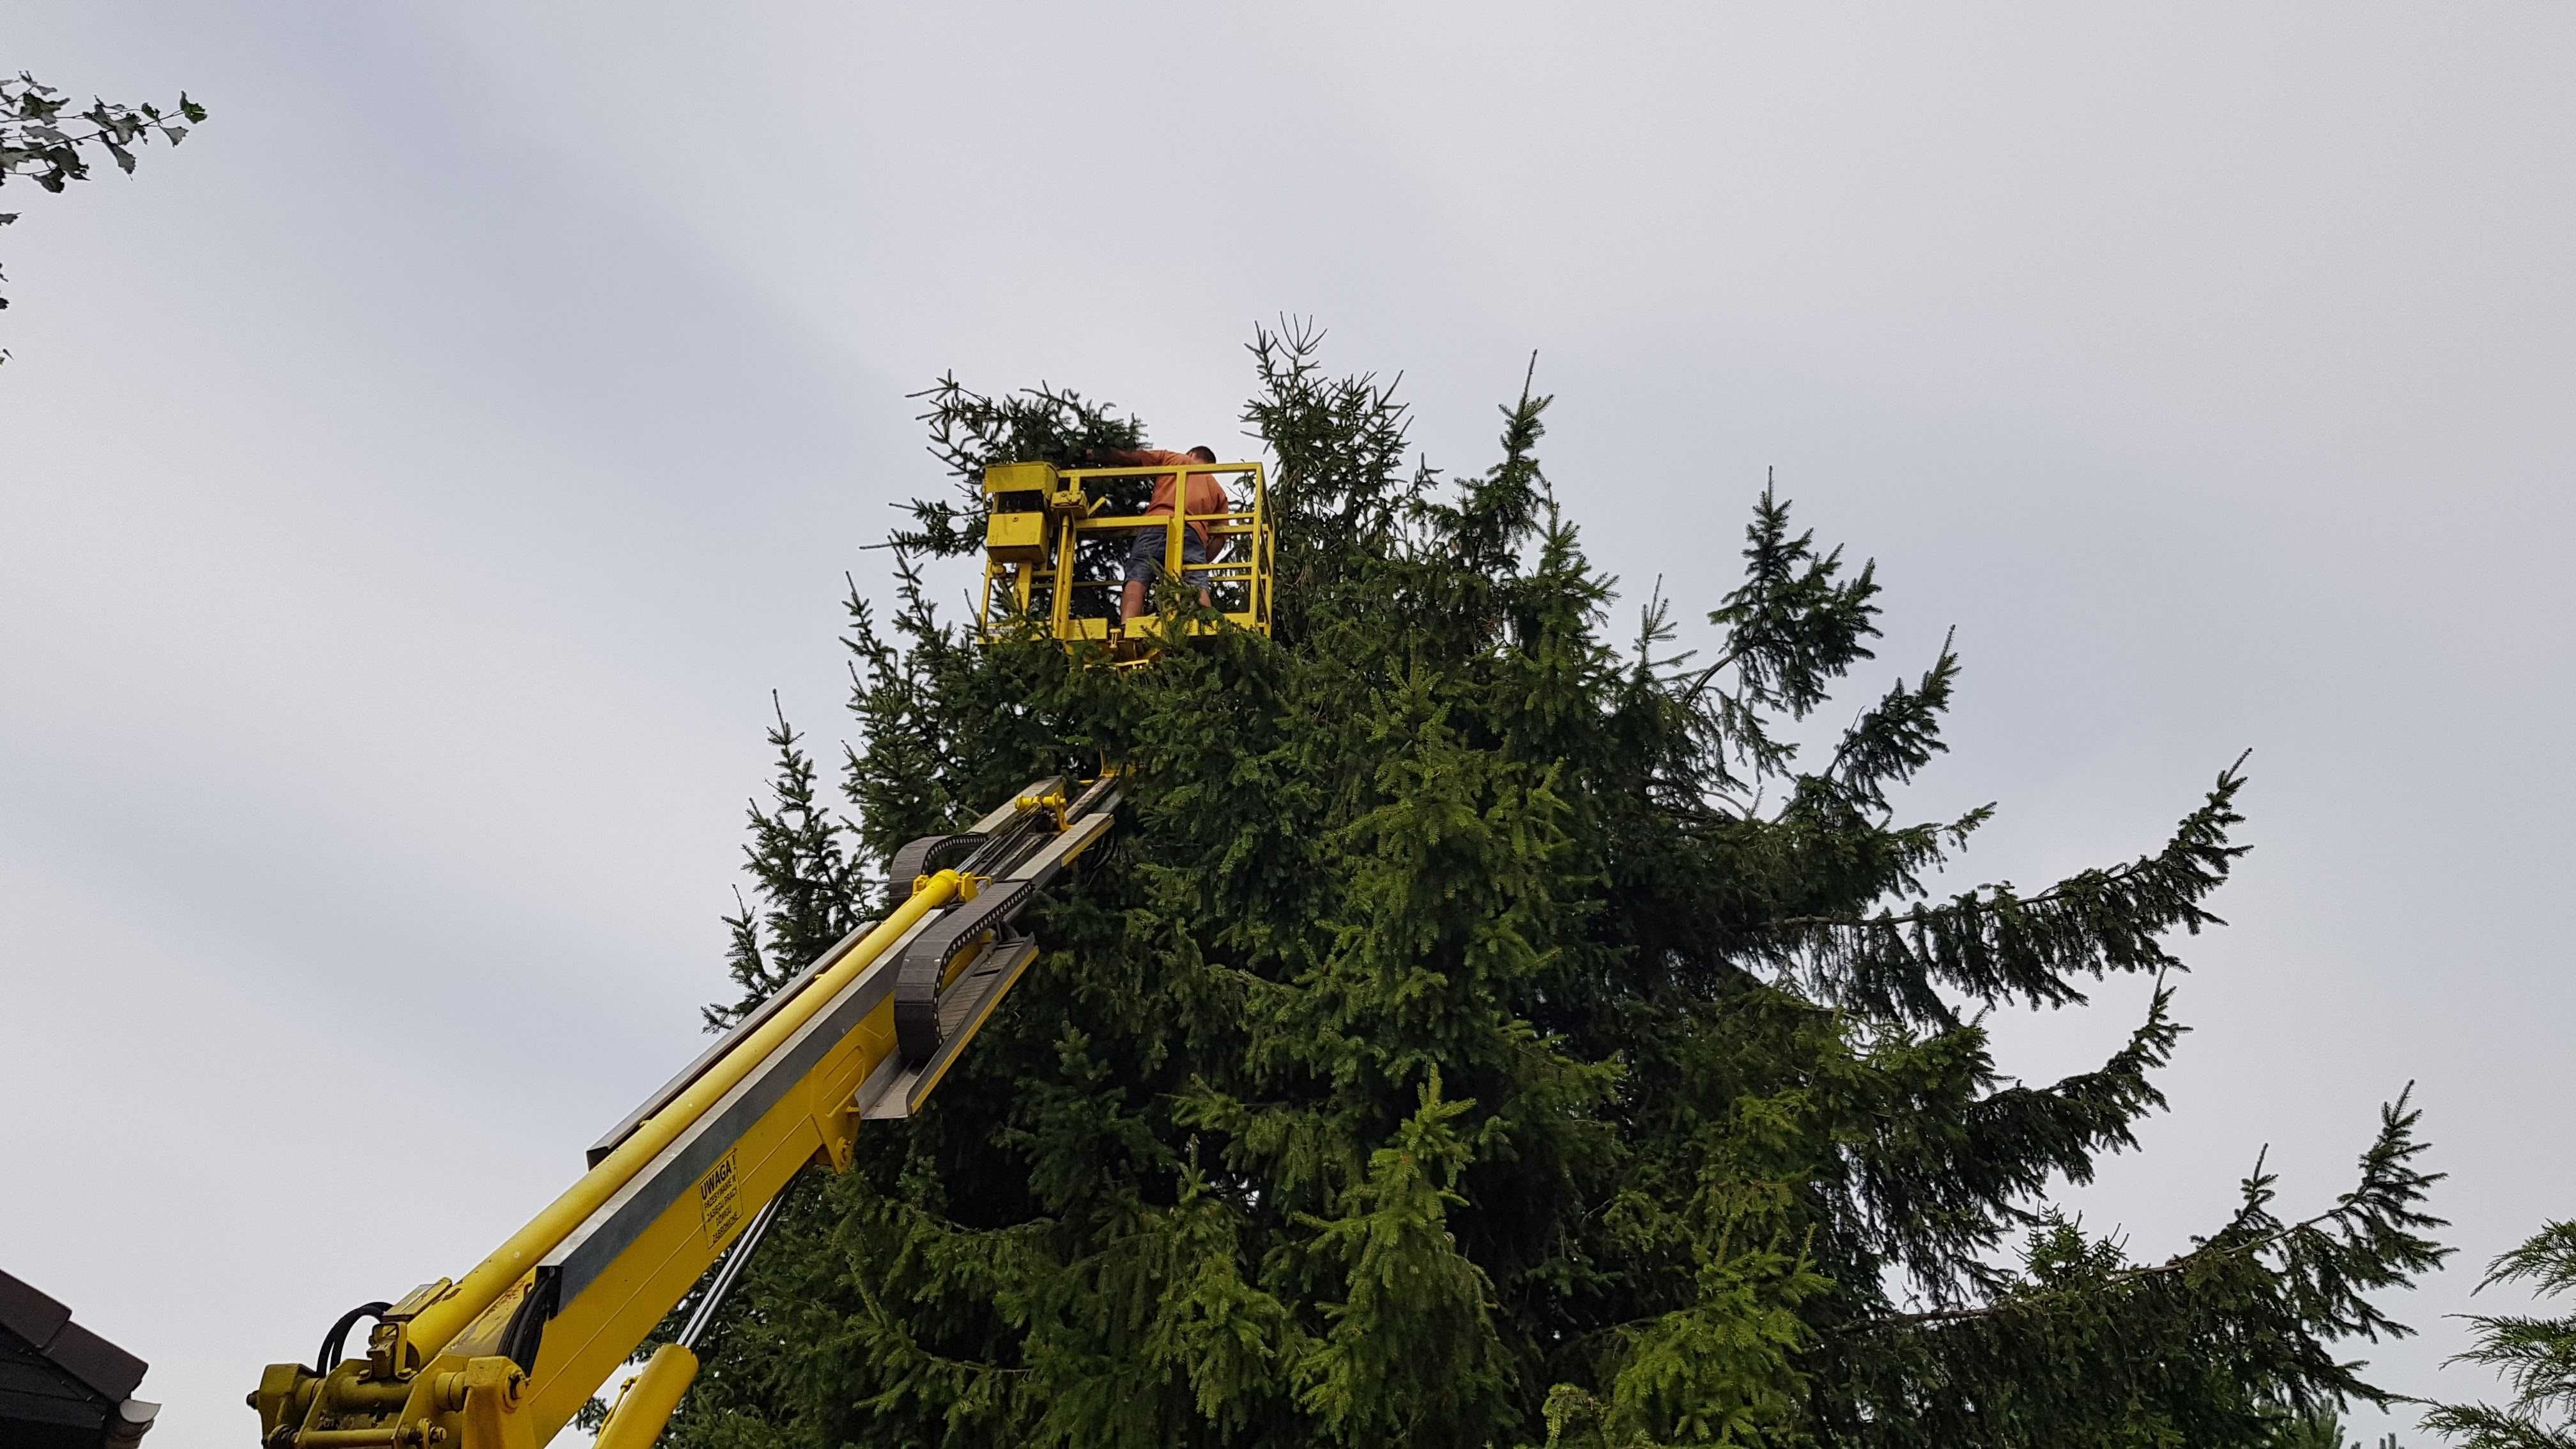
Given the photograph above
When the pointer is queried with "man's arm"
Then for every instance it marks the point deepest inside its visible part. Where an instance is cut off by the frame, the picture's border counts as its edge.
(1137, 457)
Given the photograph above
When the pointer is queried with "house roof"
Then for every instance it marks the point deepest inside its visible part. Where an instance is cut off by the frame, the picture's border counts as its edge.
(57, 1378)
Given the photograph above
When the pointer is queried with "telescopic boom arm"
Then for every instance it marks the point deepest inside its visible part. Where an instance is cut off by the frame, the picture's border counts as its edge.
(503, 1357)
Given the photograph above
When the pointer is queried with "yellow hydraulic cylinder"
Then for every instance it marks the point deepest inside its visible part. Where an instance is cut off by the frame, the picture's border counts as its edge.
(444, 1318)
(636, 1422)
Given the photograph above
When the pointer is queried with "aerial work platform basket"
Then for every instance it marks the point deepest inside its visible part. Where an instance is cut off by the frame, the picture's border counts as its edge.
(1053, 556)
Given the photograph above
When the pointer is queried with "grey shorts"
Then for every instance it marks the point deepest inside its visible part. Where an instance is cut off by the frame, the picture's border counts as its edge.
(1145, 555)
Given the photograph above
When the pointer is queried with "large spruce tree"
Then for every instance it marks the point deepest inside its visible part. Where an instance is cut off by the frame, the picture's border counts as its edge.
(1488, 1030)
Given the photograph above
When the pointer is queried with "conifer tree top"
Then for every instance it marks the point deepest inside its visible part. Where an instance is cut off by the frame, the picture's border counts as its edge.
(1493, 1030)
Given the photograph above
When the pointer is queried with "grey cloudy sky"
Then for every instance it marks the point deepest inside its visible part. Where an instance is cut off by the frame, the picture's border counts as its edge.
(415, 484)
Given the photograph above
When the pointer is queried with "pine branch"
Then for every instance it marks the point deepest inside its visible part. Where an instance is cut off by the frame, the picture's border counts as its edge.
(2367, 1240)
(1995, 946)
(1894, 739)
(1934, 1202)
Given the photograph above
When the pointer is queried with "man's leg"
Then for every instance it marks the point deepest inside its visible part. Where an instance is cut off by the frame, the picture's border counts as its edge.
(1144, 560)
(1145, 564)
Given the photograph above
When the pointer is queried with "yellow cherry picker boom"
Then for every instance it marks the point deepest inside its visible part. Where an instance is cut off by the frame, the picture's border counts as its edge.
(503, 1357)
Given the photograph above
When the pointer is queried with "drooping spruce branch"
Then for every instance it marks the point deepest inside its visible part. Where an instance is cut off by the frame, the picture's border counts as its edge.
(2088, 1329)
(2383, 1208)
(1937, 1203)
(1994, 945)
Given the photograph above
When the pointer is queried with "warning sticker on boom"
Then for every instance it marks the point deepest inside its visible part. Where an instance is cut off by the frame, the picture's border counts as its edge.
(720, 1203)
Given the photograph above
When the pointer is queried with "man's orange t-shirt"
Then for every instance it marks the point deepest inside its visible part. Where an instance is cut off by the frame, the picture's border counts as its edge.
(1207, 495)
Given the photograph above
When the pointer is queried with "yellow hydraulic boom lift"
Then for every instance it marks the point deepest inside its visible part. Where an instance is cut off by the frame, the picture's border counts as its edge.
(503, 1357)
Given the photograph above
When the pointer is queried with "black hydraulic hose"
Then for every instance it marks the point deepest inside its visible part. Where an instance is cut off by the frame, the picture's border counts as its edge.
(735, 1260)
(329, 1358)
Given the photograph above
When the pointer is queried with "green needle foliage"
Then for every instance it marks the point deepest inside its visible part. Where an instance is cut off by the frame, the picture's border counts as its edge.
(1486, 1032)
(2537, 1356)
(2322, 1429)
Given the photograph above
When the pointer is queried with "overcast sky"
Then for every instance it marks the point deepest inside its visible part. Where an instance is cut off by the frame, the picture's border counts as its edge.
(414, 486)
